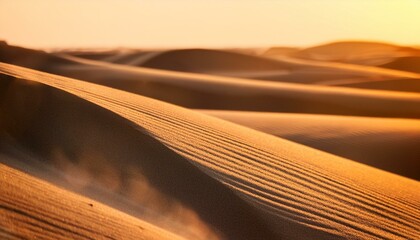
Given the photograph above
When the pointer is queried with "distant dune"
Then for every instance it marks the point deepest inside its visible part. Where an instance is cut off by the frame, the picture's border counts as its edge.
(392, 84)
(203, 91)
(279, 51)
(410, 64)
(315, 143)
(203, 60)
(369, 53)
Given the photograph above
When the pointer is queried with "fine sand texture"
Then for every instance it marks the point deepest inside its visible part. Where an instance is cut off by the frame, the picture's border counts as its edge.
(299, 192)
(33, 209)
(379, 142)
(280, 143)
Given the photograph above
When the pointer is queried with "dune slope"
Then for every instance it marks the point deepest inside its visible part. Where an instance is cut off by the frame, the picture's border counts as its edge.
(402, 85)
(410, 64)
(100, 153)
(203, 60)
(301, 192)
(388, 144)
(356, 51)
(33, 209)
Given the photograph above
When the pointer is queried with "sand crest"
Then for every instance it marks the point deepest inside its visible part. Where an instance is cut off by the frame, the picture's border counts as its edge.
(298, 191)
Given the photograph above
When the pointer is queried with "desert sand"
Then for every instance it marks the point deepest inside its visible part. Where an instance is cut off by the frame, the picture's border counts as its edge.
(315, 143)
(34, 209)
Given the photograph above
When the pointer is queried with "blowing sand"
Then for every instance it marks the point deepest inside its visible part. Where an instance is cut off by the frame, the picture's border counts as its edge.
(31, 208)
(191, 143)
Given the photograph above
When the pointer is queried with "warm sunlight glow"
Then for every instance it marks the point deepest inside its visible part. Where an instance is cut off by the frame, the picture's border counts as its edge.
(136, 23)
(210, 119)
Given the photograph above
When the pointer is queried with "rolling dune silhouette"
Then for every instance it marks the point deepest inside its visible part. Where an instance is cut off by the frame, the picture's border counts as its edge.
(316, 143)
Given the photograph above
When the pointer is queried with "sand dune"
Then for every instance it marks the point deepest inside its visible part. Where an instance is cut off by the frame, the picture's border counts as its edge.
(389, 144)
(366, 53)
(342, 67)
(234, 63)
(100, 55)
(188, 90)
(203, 91)
(222, 63)
(162, 186)
(403, 85)
(133, 58)
(410, 64)
(297, 71)
(284, 143)
(28, 58)
(34, 209)
(299, 192)
(280, 51)
(186, 60)
(202, 60)
(245, 65)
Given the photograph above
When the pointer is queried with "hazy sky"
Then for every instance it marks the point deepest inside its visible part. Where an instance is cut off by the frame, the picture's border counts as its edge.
(205, 23)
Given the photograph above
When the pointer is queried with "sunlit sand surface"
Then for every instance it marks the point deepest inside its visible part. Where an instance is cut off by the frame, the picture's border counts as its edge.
(278, 143)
